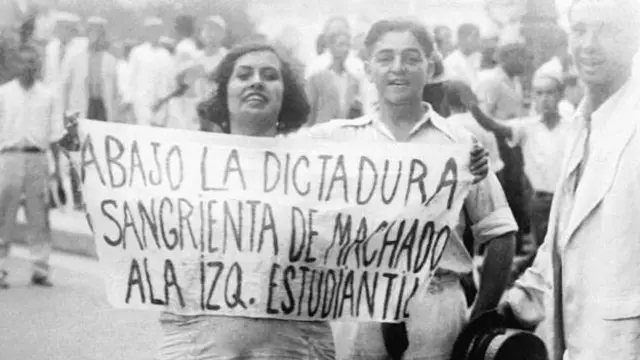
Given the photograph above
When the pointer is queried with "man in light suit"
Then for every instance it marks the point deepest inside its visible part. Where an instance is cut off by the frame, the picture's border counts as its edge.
(90, 77)
(585, 281)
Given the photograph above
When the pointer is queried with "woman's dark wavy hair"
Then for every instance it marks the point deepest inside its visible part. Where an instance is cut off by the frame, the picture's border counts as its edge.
(295, 106)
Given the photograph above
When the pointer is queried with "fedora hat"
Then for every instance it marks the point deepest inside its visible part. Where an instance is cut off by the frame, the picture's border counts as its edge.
(492, 336)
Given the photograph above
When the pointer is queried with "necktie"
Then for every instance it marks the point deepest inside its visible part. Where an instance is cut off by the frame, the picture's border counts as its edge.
(585, 157)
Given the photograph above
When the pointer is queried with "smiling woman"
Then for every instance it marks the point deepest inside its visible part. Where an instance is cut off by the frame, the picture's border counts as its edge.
(257, 95)
(258, 91)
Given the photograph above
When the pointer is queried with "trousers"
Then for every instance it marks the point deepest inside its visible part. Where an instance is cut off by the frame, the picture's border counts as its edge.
(25, 174)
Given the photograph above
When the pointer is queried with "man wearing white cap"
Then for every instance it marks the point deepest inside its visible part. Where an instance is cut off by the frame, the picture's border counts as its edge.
(542, 138)
(151, 76)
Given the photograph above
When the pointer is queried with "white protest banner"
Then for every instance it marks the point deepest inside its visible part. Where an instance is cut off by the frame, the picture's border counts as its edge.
(288, 228)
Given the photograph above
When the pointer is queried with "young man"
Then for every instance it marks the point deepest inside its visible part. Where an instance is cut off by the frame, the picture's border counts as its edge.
(464, 63)
(334, 93)
(584, 281)
(399, 66)
(28, 128)
(543, 139)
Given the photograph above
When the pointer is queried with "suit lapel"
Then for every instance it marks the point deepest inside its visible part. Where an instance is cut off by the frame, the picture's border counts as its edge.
(608, 146)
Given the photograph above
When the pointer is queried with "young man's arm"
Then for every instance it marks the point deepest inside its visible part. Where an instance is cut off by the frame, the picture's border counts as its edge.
(492, 224)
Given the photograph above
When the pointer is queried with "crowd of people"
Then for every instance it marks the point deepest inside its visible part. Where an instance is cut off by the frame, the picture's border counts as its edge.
(561, 190)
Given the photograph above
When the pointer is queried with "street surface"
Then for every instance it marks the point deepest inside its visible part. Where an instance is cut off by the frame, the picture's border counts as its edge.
(72, 320)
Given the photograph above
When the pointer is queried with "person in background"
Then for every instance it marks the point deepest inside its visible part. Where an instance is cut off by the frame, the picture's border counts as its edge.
(458, 98)
(28, 127)
(489, 48)
(399, 64)
(90, 77)
(152, 76)
(334, 93)
(259, 95)
(334, 25)
(464, 62)
(501, 97)
(561, 66)
(183, 101)
(186, 49)
(58, 51)
(213, 34)
(443, 37)
(543, 139)
(583, 288)
(125, 115)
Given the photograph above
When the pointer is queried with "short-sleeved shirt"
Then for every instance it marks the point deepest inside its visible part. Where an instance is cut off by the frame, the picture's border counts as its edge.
(500, 96)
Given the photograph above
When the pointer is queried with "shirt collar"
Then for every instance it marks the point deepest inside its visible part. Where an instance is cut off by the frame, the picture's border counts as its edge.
(430, 117)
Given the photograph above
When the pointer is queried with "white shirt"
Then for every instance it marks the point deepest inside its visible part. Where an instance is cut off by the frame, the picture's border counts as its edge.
(486, 138)
(152, 77)
(26, 117)
(459, 66)
(542, 149)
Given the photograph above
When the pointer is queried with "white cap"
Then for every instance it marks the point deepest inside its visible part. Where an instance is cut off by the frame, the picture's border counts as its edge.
(218, 20)
(153, 21)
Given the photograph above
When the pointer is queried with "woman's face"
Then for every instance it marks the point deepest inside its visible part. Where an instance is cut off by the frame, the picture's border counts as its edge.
(255, 89)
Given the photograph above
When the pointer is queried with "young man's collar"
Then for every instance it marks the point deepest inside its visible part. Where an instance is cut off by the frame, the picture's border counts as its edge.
(430, 117)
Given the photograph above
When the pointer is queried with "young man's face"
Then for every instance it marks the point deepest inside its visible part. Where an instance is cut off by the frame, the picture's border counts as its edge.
(547, 95)
(398, 67)
(603, 39)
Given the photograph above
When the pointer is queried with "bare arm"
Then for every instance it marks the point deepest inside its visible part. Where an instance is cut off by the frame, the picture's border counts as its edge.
(490, 124)
(495, 273)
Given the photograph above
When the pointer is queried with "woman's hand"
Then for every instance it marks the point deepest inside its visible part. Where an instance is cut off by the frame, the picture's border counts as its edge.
(479, 164)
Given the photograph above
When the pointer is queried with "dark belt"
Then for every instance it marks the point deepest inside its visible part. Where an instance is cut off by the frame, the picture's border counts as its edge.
(24, 149)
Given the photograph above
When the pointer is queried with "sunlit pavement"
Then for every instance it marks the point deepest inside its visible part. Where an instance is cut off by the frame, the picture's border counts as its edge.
(72, 320)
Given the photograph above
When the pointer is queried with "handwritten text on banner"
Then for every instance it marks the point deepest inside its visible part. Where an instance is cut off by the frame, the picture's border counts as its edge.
(197, 223)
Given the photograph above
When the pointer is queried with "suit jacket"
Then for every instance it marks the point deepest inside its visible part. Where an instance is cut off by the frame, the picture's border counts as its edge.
(76, 84)
(585, 280)
(324, 97)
